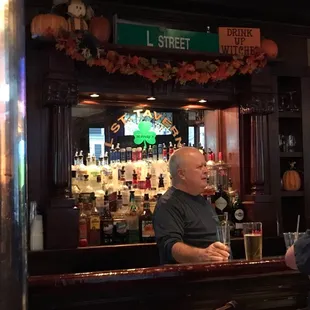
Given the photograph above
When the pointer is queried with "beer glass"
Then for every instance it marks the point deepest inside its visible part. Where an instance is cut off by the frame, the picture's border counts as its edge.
(253, 243)
(291, 237)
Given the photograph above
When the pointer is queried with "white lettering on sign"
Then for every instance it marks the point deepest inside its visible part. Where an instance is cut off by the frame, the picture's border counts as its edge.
(173, 42)
(148, 39)
(147, 113)
(169, 42)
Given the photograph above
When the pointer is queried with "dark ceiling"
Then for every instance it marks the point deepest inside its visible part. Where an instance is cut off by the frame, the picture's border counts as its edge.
(290, 12)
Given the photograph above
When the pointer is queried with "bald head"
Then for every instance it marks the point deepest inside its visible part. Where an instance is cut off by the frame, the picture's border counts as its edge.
(181, 159)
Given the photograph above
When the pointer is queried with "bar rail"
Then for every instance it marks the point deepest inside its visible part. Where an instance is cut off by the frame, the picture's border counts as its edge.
(265, 284)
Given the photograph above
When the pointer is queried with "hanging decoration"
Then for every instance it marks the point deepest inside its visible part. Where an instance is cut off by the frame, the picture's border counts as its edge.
(201, 72)
(83, 37)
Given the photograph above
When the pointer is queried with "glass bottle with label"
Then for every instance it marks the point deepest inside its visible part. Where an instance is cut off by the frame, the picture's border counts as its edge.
(106, 223)
(82, 227)
(237, 216)
(94, 224)
(133, 220)
(120, 223)
(161, 184)
(146, 229)
(221, 201)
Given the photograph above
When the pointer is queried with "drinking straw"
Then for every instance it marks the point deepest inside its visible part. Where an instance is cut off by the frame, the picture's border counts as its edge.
(297, 227)
(225, 227)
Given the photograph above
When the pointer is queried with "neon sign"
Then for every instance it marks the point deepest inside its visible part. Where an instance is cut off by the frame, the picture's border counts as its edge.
(144, 134)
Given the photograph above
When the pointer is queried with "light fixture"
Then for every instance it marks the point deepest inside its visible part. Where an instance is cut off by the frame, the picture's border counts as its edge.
(202, 101)
(94, 95)
(152, 97)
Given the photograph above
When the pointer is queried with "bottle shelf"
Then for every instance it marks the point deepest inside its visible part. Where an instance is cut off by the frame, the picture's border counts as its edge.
(287, 114)
(292, 194)
(291, 154)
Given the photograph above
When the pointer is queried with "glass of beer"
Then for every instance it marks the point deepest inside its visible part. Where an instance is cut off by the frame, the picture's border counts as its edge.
(253, 240)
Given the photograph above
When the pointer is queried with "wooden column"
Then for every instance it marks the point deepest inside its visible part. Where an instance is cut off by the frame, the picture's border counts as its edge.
(60, 94)
(256, 107)
(257, 155)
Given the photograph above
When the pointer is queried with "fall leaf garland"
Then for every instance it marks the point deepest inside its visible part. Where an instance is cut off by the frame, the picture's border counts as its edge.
(201, 72)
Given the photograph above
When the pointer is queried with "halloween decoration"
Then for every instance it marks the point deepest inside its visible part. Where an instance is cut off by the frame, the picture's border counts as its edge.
(291, 179)
(100, 28)
(45, 25)
(270, 48)
(77, 12)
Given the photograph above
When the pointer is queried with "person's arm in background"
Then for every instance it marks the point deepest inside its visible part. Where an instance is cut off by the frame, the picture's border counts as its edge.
(298, 255)
(290, 258)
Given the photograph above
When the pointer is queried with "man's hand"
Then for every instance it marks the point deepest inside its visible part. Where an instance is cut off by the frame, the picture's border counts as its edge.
(217, 251)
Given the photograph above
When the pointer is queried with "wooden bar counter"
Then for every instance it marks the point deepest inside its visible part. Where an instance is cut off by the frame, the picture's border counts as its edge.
(265, 284)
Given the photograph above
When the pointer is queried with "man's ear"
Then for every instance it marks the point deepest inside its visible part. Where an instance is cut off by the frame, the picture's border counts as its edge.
(181, 174)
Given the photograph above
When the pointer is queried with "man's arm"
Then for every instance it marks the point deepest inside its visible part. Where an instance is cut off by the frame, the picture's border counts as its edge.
(183, 253)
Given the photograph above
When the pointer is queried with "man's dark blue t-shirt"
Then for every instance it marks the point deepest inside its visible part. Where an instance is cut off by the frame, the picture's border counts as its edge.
(181, 217)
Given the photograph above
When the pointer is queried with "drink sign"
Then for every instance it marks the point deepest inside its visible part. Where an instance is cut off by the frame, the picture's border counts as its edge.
(239, 41)
(143, 134)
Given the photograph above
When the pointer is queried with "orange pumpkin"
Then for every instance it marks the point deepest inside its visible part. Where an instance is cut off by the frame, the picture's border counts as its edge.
(100, 28)
(270, 48)
(44, 25)
(291, 179)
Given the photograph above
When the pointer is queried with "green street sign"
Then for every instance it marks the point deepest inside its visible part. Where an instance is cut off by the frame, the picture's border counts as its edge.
(127, 33)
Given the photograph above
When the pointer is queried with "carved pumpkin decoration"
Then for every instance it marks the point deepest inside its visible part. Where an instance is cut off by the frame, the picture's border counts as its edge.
(291, 179)
(270, 48)
(100, 28)
(45, 25)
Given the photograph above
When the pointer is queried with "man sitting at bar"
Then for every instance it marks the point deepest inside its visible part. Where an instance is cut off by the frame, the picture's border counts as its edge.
(184, 223)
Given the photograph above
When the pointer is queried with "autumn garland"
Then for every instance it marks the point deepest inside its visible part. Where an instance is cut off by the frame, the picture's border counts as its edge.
(200, 71)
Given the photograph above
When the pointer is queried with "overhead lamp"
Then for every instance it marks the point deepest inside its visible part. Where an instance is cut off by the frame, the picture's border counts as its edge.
(151, 98)
(202, 101)
(94, 95)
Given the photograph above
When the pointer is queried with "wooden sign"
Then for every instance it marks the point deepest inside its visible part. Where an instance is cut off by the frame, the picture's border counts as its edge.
(239, 41)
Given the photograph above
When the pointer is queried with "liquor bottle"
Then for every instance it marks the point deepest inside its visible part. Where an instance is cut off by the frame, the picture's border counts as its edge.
(161, 185)
(144, 153)
(154, 150)
(134, 154)
(123, 155)
(148, 185)
(82, 227)
(106, 223)
(164, 154)
(146, 229)
(133, 220)
(150, 152)
(139, 153)
(119, 201)
(128, 153)
(171, 150)
(221, 201)
(120, 223)
(106, 159)
(117, 153)
(237, 216)
(94, 224)
(160, 151)
(134, 179)
(112, 155)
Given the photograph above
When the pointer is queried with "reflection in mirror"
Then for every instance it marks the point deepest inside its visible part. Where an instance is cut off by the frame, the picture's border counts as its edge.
(120, 165)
